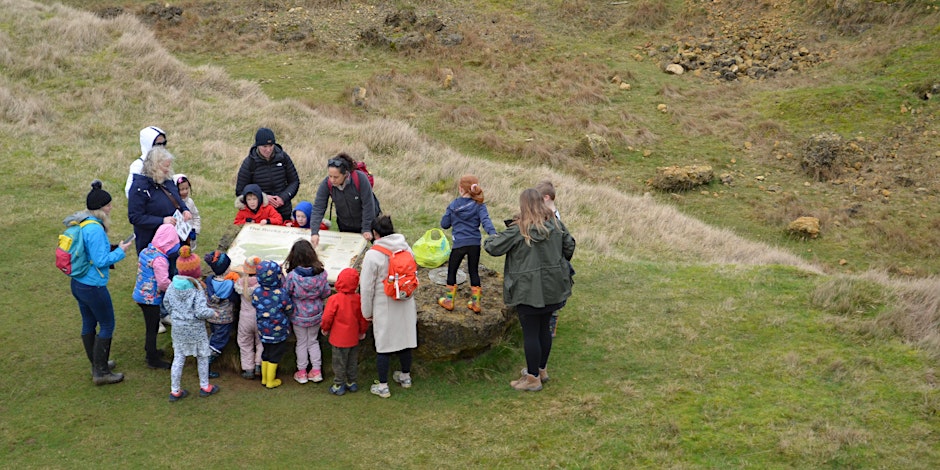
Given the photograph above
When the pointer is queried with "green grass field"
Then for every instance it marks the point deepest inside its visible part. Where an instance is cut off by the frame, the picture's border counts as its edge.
(685, 345)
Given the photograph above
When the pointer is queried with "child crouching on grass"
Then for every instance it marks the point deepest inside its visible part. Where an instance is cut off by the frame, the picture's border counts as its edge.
(344, 323)
(186, 302)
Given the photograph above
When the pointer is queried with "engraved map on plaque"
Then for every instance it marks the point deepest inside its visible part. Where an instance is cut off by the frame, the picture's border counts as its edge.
(337, 250)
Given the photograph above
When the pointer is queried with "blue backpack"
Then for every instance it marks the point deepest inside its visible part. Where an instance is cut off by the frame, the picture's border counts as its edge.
(70, 255)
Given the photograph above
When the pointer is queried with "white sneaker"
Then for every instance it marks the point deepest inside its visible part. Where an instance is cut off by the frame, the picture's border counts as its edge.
(403, 379)
(166, 321)
(161, 329)
(380, 390)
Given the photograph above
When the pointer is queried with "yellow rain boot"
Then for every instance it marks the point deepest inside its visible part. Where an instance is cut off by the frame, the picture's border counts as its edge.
(474, 303)
(264, 373)
(448, 300)
(273, 381)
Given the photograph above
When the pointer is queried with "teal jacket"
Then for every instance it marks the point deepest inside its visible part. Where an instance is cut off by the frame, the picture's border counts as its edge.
(538, 274)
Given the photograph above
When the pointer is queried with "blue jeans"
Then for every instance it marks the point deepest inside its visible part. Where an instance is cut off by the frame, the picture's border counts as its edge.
(97, 310)
(220, 336)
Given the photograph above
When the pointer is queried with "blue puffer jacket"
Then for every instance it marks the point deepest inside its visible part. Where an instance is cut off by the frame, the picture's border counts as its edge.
(272, 304)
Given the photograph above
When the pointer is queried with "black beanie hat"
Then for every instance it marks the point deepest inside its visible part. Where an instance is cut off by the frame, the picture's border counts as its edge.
(264, 136)
(97, 197)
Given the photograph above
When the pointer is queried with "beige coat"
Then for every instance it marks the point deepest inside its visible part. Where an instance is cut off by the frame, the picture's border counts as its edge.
(394, 322)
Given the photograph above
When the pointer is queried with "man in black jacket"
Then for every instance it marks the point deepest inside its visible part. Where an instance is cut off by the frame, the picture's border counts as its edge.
(270, 167)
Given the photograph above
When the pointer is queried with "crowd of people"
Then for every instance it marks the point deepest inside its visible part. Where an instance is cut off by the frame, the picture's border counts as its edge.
(270, 302)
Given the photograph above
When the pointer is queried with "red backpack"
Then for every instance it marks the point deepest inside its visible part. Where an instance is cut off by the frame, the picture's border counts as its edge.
(402, 273)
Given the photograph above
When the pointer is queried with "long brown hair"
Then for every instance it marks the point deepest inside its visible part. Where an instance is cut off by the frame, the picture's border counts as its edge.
(302, 254)
(533, 213)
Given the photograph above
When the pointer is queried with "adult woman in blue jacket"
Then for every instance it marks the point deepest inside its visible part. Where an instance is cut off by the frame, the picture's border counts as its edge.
(91, 289)
(536, 279)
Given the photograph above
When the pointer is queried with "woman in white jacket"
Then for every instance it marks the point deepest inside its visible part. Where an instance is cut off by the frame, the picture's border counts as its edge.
(395, 322)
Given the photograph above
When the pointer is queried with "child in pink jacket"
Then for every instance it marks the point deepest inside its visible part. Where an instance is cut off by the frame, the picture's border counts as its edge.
(153, 278)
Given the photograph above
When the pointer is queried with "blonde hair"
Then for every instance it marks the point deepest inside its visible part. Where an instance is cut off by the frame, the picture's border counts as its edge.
(533, 214)
(103, 217)
(152, 164)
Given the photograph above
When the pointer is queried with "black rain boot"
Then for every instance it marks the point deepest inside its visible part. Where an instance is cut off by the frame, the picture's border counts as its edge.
(154, 355)
(212, 374)
(89, 342)
(102, 374)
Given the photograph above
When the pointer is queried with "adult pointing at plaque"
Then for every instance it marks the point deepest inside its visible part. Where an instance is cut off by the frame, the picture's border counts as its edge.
(270, 167)
(351, 195)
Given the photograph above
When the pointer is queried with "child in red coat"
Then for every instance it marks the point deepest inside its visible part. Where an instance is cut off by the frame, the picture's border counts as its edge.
(344, 323)
(254, 208)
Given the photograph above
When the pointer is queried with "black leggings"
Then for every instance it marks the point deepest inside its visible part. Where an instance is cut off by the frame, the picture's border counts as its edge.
(536, 335)
(151, 325)
(382, 363)
(472, 253)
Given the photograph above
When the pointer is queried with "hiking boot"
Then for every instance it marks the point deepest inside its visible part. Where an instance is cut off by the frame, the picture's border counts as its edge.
(352, 387)
(248, 374)
(178, 395)
(543, 374)
(403, 379)
(210, 390)
(528, 383)
(301, 376)
(338, 389)
(316, 376)
(380, 390)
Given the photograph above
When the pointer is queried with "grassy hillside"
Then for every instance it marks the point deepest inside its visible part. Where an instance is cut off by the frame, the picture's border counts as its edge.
(687, 344)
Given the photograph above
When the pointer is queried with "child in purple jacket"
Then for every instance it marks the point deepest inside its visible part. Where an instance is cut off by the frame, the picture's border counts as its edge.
(308, 288)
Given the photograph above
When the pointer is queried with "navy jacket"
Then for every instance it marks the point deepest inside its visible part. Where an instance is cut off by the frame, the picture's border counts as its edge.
(147, 205)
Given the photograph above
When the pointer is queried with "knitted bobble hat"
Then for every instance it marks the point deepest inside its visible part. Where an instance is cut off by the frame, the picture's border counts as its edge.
(189, 264)
(251, 264)
(97, 197)
(219, 262)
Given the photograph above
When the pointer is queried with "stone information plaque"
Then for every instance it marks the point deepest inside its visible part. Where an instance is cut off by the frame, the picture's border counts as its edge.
(337, 250)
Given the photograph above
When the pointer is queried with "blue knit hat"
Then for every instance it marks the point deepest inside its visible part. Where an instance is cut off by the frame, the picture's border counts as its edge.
(264, 136)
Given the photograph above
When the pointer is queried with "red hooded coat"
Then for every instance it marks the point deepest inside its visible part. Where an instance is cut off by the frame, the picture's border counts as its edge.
(342, 317)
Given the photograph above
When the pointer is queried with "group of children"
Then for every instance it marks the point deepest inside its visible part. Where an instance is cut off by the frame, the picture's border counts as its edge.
(273, 302)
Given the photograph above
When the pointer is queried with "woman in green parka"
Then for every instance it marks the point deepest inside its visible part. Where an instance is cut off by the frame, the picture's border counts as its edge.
(536, 279)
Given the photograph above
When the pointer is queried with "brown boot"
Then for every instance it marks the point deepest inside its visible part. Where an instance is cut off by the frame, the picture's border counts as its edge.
(448, 300)
(543, 374)
(528, 383)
